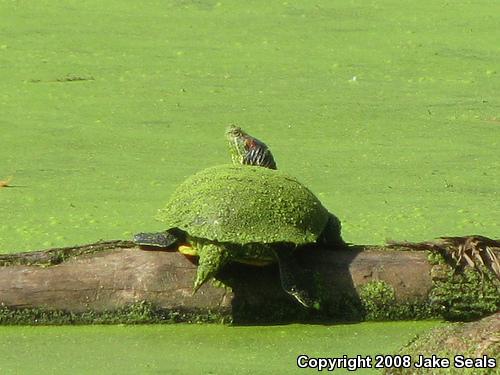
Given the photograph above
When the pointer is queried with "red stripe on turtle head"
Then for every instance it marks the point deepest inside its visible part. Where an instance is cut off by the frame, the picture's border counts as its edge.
(250, 143)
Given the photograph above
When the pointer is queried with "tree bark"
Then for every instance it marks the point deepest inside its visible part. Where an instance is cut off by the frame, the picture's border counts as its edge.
(108, 276)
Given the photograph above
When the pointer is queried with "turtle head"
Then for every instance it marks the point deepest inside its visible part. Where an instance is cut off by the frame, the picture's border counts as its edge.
(164, 239)
(247, 150)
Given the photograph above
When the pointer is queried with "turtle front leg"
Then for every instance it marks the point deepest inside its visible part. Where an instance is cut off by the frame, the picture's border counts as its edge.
(211, 259)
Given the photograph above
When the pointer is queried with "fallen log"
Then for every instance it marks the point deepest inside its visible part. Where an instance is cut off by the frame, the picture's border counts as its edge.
(117, 281)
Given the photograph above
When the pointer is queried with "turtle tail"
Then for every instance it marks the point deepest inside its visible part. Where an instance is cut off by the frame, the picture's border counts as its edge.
(331, 235)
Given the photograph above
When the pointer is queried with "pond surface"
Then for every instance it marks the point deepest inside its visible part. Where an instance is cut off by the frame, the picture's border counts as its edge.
(193, 349)
(387, 110)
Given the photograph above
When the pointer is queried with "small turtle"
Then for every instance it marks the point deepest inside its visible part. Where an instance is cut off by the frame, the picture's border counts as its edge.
(248, 150)
(247, 214)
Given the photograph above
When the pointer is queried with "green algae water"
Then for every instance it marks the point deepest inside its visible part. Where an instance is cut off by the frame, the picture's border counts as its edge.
(193, 349)
(388, 111)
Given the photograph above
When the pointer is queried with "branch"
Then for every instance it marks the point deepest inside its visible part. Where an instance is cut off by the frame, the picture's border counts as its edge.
(361, 282)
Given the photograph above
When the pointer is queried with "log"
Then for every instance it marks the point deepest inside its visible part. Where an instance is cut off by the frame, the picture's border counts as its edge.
(477, 343)
(98, 282)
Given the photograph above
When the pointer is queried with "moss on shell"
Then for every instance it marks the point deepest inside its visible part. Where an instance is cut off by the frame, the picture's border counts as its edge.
(245, 204)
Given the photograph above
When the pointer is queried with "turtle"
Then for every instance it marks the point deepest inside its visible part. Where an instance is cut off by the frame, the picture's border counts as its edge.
(248, 150)
(244, 212)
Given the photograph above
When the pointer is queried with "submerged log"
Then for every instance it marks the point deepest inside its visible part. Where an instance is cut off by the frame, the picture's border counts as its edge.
(359, 282)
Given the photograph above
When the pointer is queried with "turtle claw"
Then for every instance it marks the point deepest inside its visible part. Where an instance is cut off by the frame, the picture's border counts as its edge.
(292, 278)
(197, 285)
(303, 298)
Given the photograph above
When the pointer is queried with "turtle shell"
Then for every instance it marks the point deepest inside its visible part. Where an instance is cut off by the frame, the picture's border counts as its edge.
(245, 204)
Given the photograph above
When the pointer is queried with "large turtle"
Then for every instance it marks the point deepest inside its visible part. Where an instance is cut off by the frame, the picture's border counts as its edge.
(245, 213)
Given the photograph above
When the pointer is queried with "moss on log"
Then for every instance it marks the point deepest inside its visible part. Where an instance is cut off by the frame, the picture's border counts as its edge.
(111, 282)
(472, 348)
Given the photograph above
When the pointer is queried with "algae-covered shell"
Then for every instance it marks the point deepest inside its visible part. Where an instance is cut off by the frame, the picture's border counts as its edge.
(245, 204)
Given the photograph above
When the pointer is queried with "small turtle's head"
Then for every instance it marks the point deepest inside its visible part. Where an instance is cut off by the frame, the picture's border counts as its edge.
(237, 145)
(247, 150)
